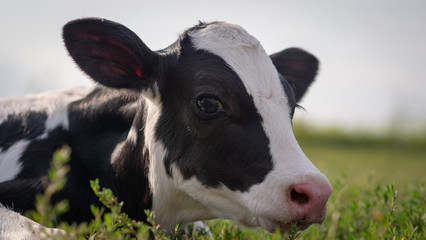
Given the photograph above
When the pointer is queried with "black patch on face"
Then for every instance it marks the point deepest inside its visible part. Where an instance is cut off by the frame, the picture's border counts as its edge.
(26, 125)
(229, 148)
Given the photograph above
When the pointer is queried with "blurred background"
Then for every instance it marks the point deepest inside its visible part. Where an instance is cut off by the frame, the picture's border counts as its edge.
(370, 91)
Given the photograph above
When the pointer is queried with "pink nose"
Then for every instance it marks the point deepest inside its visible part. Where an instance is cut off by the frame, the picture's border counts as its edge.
(308, 201)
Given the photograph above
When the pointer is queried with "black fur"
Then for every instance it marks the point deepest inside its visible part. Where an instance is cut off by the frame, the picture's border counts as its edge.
(298, 67)
(27, 125)
(98, 123)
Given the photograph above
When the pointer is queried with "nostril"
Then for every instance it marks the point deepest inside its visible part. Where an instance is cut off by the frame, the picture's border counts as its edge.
(307, 201)
(300, 198)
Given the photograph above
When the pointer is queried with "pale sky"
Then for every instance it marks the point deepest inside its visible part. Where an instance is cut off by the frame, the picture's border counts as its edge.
(372, 53)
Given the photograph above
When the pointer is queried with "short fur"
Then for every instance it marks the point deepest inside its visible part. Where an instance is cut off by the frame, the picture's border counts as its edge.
(144, 135)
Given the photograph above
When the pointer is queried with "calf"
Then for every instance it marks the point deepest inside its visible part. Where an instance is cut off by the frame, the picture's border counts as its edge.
(199, 130)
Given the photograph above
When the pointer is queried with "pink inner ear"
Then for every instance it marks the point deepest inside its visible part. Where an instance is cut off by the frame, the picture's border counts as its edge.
(138, 71)
(110, 68)
(88, 35)
(114, 51)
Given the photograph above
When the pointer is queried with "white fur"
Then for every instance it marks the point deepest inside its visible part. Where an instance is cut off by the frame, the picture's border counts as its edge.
(45, 102)
(10, 166)
(54, 104)
(57, 118)
(243, 53)
(14, 226)
(207, 203)
(199, 226)
(132, 136)
(160, 184)
(170, 204)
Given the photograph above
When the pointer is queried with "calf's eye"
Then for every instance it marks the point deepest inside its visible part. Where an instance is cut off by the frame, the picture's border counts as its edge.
(208, 105)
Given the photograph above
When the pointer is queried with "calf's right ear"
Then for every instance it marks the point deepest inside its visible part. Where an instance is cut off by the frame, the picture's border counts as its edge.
(298, 67)
(110, 53)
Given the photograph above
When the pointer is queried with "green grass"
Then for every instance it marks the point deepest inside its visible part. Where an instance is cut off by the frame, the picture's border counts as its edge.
(378, 193)
(363, 158)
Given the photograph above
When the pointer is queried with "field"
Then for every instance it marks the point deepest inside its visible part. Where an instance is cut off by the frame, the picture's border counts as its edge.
(378, 193)
(362, 158)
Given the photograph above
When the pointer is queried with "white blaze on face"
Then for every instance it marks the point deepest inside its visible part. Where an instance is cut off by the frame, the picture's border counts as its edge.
(244, 54)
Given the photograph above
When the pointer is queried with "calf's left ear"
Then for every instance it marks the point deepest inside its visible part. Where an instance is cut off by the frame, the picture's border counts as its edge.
(298, 67)
(110, 53)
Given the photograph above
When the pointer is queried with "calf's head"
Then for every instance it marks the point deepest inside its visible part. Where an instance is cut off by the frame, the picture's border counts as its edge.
(218, 127)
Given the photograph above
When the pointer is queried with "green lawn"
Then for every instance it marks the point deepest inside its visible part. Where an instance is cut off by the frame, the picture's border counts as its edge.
(362, 158)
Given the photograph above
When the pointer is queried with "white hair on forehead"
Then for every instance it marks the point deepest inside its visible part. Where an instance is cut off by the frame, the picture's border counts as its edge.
(245, 55)
(230, 35)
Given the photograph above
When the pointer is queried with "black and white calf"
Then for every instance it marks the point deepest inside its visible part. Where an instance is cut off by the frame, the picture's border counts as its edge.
(199, 130)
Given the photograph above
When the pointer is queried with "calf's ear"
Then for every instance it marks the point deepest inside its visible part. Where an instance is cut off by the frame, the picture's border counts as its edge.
(110, 53)
(298, 67)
